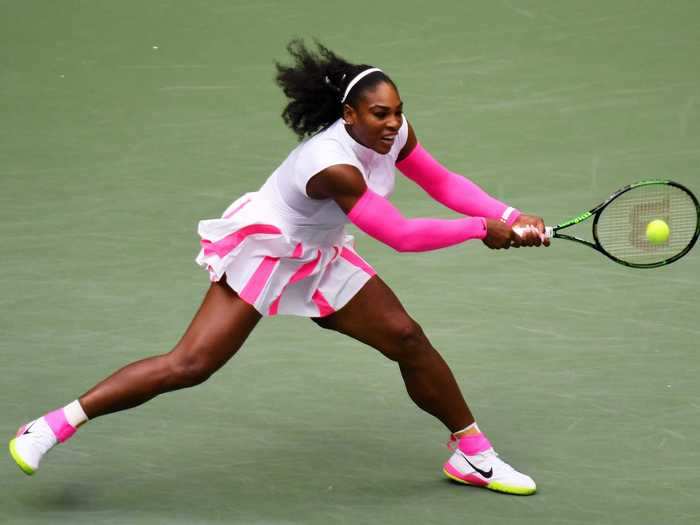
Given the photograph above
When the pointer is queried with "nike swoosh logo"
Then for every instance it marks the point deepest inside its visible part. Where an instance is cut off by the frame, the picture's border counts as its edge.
(26, 430)
(487, 475)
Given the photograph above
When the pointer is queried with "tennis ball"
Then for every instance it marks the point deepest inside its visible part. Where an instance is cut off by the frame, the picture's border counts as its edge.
(658, 232)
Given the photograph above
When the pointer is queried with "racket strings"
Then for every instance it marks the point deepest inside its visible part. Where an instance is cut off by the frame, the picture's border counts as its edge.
(622, 225)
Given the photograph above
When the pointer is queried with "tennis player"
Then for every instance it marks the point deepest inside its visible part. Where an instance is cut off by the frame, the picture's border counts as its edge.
(283, 250)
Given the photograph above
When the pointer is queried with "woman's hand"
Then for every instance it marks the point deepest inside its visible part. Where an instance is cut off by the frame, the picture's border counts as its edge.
(533, 233)
(499, 235)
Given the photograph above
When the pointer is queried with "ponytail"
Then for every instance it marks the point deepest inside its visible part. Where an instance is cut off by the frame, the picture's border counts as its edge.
(315, 84)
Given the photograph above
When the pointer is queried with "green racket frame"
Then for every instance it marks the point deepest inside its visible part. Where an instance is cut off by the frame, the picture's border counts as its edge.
(554, 232)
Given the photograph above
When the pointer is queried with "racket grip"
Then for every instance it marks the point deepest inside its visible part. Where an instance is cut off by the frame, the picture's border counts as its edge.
(548, 231)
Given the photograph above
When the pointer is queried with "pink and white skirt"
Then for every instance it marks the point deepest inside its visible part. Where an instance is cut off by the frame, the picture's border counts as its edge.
(274, 271)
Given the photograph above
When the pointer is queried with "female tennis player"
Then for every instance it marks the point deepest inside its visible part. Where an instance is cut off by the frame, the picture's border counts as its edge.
(283, 250)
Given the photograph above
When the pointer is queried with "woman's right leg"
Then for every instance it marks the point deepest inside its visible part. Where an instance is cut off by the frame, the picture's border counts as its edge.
(221, 325)
(217, 331)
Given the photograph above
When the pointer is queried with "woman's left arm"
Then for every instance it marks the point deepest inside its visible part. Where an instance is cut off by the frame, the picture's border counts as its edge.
(450, 189)
(455, 191)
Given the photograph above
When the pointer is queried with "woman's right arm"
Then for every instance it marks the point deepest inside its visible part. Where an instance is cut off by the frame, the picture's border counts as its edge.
(377, 217)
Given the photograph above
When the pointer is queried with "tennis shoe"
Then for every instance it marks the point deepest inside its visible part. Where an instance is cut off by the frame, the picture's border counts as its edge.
(474, 462)
(36, 438)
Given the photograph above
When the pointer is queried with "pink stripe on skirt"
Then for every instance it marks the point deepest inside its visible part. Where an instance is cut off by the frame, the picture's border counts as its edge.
(356, 260)
(236, 209)
(224, 246)
(324, 308)
(303, 272)
(257, 282)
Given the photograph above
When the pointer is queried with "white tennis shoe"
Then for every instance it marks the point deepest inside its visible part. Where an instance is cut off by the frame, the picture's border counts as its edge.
(36, 438)
(32, 441)
(474, 462)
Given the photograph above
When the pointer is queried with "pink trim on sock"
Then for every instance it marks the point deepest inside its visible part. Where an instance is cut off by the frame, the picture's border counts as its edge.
(324, 308)
(356, 260)
(303, 272)
(236, 209)
(257, 282)
(472, 479)
(473, 444)
(60, 426)
(224, 246)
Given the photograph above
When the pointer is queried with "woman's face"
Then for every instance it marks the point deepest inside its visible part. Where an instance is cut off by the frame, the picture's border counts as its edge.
(376, 121)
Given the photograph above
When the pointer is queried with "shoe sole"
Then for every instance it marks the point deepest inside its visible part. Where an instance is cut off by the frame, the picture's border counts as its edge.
(495, 486)
(18, 459)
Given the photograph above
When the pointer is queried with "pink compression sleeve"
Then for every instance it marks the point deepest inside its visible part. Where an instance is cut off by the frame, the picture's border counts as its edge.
(454, 191)
(377, 217)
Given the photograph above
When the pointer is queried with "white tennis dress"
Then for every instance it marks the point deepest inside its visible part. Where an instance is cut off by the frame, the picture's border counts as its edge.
(286, 253)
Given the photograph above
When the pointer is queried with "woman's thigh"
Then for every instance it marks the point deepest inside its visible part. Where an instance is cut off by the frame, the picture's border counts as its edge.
(219, 328)
(376, 317)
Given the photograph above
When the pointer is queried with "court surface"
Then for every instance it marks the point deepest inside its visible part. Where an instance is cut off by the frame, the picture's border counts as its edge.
(124, 123)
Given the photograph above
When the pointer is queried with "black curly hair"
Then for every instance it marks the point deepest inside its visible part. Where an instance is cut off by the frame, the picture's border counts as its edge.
(315, 84)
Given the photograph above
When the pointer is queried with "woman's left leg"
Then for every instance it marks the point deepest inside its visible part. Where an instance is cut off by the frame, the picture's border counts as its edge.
(376, 317)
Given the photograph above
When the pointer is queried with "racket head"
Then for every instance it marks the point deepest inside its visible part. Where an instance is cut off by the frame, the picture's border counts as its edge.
(620, 223)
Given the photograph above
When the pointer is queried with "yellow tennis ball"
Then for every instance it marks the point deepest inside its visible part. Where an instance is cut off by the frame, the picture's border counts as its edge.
(658, 232)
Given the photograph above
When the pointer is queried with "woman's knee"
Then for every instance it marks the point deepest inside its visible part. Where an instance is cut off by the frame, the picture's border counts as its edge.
(187, 367)
(407, 340)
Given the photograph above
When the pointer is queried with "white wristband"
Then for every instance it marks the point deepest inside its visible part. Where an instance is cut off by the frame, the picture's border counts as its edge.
(506, 214)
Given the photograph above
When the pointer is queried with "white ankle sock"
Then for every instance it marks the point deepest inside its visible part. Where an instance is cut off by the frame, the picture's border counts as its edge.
(469, 427)
(75, 414)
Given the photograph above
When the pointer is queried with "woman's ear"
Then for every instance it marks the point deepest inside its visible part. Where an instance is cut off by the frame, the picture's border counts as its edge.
(349, 114)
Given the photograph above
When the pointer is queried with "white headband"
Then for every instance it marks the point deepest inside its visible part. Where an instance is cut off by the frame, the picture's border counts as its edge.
(355, 80)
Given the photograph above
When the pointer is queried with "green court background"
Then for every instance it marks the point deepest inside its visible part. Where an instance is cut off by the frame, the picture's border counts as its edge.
(124, 123)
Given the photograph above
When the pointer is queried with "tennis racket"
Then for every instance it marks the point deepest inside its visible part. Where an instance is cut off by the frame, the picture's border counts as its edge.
(620, 224)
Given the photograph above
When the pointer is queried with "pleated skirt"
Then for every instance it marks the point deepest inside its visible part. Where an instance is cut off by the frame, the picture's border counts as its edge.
(278, 269)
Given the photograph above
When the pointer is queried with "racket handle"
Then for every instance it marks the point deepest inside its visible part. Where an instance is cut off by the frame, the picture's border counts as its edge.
(548, 231)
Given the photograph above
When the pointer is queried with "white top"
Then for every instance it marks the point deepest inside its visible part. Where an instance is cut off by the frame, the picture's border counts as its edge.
(321, 221)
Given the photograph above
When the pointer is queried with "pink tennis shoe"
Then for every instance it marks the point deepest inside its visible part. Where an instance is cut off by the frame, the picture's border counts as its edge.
(37, 437)
(474, 462)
